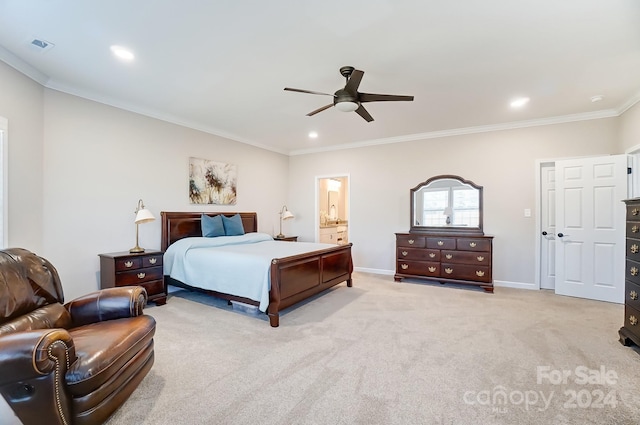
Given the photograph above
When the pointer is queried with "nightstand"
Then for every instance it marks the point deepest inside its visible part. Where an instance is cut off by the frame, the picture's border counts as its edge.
(287, 239)
(140, 269)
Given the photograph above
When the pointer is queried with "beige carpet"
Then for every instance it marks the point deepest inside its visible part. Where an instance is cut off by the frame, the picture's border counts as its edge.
(391, 353)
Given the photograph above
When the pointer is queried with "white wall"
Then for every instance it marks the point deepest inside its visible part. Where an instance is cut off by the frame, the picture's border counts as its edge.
(99, 160)
(630, 128)
(21, 104)
(503, 162)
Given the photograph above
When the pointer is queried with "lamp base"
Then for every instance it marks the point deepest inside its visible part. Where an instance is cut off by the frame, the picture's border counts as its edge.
(136, 249)
(280, 236)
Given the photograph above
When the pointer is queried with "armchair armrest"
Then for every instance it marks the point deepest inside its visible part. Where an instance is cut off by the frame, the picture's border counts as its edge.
(107, 304)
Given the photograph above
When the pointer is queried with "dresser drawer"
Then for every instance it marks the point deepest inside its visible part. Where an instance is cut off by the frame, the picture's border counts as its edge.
(633, 212)
(136, 277)
(466, 257)
(632, 271)
(410, 241)
(632, 295)
(633, 229)
(422, 268)
(631, 319)
(473, 244)
(441, 243)
(418, 254)
(633, 249)
(466, 272)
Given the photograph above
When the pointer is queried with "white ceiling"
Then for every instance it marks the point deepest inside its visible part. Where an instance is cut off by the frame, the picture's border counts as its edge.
(221, 66)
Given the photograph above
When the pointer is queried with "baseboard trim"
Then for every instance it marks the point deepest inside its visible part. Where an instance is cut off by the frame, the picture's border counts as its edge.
(374, 271)
(517, 285)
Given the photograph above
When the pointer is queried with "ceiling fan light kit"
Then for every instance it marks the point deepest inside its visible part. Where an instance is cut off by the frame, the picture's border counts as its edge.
(349, 99)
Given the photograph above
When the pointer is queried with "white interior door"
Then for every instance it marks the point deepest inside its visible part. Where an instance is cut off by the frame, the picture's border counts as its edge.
(548, 226)
(590, 227)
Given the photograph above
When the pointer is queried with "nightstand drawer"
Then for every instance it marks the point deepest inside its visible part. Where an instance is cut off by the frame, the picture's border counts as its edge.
(153, 288)
(135, 277)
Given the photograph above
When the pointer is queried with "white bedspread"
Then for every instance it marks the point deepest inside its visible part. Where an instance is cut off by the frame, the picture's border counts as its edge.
(235, 265)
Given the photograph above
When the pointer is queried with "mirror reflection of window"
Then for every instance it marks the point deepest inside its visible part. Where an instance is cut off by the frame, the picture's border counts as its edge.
(453, 206)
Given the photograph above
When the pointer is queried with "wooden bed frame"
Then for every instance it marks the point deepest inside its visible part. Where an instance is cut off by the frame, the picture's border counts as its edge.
(293, 278)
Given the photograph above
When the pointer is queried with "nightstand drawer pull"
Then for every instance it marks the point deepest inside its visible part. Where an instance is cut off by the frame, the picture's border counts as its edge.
(141, 275)
(634, 271)
(448, 270)
(404, 266)
(404, 253)
(449, 256)
(479, 273)
(472, 244)
(153, 260)
(432, 269)
(440, 243)
(635, 211)
(432, 255)
(128, 263)
(411, 241)
(635, 229)
(633, 295)
(633, 320)
(480, 258)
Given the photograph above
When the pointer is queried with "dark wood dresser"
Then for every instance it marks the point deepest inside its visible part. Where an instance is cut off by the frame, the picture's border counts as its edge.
(630, 332)
(445, 258)
(140, 269)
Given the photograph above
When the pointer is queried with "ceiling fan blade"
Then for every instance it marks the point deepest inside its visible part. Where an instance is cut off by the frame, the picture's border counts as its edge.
(354, 81)
(371, 97)
(320, 109)
(308, 91)
(364, 114)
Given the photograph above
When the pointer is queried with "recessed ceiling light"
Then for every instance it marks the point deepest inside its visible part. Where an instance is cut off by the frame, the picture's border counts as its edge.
(313, 135)
(597, 98)
(122, 53)
(520, 102)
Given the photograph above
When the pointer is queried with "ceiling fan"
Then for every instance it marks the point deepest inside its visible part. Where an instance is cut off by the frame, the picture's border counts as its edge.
(349, 99)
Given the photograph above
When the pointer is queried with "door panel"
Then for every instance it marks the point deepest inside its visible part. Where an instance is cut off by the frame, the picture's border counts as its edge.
(548, 226)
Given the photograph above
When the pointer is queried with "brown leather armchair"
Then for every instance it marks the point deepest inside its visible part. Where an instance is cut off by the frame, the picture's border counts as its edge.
(73, 363)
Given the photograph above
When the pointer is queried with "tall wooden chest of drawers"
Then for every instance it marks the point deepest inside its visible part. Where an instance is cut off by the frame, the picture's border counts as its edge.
(140, 269)
(630, 332)
(464, 259)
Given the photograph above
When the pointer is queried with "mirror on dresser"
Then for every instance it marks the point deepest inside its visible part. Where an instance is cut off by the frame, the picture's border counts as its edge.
(446, 241)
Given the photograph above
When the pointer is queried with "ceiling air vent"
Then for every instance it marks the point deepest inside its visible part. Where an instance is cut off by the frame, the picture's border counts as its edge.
(41, 45)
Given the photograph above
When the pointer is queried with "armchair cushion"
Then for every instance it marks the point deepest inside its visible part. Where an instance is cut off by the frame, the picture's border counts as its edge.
(107, 304)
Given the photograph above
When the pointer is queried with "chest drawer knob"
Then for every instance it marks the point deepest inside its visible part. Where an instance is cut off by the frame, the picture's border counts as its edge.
(449, 256)
(440, 243)
(448, 270)
(480, 258)
(635, 229)
(633, 320)
(479, 273)
(404, 253)
(141, 275)
(411, 241)
(634, 248)
(633, 295)
(432, 269)
(472, 244)
(432, 255)
(634, 271)
(153, 260)
(635, 211)
(128, 263)
(404, 266)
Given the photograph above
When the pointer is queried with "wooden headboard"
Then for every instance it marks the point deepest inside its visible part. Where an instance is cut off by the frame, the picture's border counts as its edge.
(178, 225)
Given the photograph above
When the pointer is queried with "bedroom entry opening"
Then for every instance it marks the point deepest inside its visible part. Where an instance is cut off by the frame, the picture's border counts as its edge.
(332, 209)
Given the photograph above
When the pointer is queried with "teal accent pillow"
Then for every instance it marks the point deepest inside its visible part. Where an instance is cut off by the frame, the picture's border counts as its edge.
(233, 225)
(211, 226)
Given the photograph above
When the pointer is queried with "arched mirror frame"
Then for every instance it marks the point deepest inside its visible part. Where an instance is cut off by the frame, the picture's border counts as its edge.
(446, 229)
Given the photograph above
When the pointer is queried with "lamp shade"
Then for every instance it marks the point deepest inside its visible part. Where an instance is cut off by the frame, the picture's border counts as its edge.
(286, 215)
(144, 216)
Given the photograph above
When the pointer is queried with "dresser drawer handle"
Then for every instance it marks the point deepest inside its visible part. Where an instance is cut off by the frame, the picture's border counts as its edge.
(411, 241)
(153, 260)
(448, 270)
(141, 275)
(480, 258)
(635, 229)
(634, 271)
(449, 256)
(432, 269)
(440, 243)
(634, 248)
(635, 211)
(472, 244)
(404, 266)
(432, 255)
(405, 253)
(479, 273)
(633, 295)
(128, 263)
(633, 320)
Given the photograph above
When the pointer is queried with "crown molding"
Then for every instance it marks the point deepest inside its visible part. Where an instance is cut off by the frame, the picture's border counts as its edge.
(23, 67)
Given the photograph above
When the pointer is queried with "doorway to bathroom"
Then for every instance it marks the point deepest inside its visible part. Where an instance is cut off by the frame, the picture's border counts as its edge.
(332, 209)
